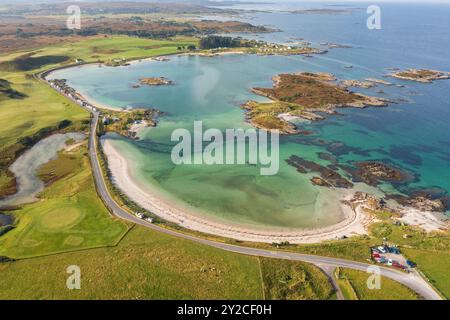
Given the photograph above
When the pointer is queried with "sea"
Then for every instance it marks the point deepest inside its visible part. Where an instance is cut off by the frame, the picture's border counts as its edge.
(412, 133)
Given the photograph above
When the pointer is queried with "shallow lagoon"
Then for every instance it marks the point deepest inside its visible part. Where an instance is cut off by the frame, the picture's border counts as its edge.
(25, 168)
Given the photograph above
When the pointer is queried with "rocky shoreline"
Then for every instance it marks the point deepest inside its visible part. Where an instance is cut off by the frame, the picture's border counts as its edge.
(421, 75)
(303, 95)
(420, 205)
(155, 81)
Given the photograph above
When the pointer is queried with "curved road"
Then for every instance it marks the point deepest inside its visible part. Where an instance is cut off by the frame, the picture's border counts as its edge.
(412, 280)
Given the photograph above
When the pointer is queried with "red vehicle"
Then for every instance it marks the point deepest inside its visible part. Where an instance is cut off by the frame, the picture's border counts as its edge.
(397, 265)
(376, 255)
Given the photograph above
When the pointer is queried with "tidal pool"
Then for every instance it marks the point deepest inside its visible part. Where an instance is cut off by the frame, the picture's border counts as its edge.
(26, 166)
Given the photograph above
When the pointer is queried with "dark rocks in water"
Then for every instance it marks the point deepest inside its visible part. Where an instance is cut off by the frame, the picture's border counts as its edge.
(334, 167)
(434, 200)
(328, 157)
(340, 149)
(306, 132)
(425, 204)
(406, 154)
(375, 172)
(317, 181)
(422, 203)
(328, 176)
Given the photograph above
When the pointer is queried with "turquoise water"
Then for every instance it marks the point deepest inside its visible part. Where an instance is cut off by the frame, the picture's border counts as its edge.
(413, 135)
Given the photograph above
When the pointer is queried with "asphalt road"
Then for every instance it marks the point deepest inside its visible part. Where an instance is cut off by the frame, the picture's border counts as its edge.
(412, 280)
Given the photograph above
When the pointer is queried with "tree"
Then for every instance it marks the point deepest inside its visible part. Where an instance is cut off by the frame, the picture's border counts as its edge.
(213, 42)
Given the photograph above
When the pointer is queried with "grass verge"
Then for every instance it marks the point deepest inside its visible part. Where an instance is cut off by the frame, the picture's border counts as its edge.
(353, 284)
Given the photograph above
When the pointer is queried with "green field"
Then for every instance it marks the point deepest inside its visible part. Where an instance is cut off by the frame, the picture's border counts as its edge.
(150, 265)
(145, 265)
(69, 215)
(353, 284)
(294, 280)
(435, 265)
(105, 48)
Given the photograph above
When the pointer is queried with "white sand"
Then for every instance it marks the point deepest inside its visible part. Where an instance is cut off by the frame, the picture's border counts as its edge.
(428, 221)
(355, 223)
(99, 105)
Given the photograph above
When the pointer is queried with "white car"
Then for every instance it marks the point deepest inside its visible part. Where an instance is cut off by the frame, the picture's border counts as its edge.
(382, 249)
(139, 215)
(389, 262)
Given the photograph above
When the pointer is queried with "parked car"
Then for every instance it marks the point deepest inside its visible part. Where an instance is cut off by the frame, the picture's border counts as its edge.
(389, 262)
(394, 250)
(410, 264)
(381, 249)
(398, 265)
(139, 215)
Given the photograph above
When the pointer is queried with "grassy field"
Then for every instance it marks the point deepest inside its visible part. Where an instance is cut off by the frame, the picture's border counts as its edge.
(21, 118)
(69, 215)
(435, 265)
(294, 280)
(109, 47)
(145, 265)
(150, 265)
(353, 284)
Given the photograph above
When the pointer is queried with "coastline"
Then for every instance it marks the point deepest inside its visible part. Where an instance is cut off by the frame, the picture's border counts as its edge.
(355, 222)
(44, 75)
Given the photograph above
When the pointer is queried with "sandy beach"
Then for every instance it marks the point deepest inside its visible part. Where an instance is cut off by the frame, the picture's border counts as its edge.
(355, 222)
(428, 221)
